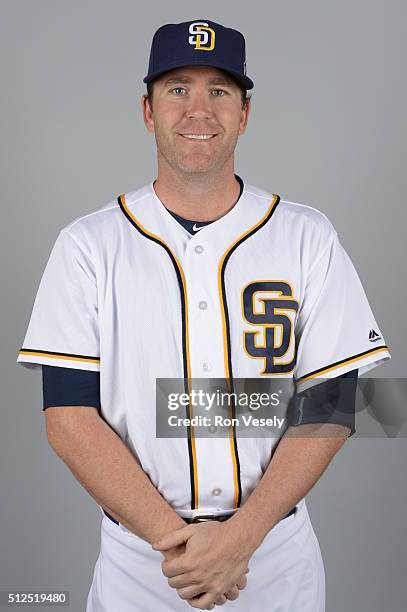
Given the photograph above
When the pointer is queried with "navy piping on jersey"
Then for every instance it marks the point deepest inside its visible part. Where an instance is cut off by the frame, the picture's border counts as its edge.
(133, 221)
(228, 339)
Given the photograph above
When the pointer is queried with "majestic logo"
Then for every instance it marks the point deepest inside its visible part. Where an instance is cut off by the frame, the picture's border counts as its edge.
(271, 307)
(374, 336)
(202, 36)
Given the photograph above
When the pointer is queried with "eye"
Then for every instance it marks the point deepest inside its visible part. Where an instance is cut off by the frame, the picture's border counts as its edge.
(175, 89)
(221, 92)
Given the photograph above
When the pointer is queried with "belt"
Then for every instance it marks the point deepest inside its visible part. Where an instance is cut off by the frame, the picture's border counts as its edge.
(206, 517)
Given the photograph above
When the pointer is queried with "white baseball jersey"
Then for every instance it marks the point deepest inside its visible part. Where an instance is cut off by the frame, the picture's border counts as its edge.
(267, 290)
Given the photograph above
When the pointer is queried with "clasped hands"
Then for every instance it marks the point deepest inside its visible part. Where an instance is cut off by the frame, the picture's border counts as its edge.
(205, 562)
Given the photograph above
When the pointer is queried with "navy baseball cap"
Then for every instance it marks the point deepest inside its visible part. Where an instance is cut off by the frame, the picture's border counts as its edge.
(201, 43)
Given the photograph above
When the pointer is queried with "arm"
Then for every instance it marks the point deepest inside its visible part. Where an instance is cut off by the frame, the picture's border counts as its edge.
(108, 470)
(300, 459)
(323, 423)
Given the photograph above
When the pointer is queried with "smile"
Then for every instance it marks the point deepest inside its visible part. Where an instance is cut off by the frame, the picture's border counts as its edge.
(198, 136)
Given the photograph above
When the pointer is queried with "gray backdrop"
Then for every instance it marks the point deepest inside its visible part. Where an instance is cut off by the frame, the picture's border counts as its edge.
(327, 129)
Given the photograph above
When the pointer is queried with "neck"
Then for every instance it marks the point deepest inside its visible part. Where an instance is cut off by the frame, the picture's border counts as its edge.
(198, 197)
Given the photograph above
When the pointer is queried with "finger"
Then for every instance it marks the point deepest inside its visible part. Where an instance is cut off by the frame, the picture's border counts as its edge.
(183, 581)
(232, 593)
(242, 582)
(174, 538)
(193, 604)
(204, 602)
(190, 591)
(173, 553)
(221, 600)
(174, 567)
(192, 601)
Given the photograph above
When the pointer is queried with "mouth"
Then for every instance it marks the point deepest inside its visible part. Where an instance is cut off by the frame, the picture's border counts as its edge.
(201, 137)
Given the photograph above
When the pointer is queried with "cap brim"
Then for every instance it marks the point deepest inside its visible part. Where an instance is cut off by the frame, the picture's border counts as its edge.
(243, 80)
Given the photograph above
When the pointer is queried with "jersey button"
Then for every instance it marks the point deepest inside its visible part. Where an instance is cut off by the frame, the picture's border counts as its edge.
(203, 305)
(199, 249)
(216, 491)
(206, 366)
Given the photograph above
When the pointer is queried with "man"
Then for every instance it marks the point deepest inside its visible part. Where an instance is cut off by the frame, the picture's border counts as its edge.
(198, 275)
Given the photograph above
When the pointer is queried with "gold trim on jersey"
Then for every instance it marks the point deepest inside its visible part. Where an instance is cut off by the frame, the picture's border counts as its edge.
(68, 356)
(187, 366)
(226, 339)
(341, 364)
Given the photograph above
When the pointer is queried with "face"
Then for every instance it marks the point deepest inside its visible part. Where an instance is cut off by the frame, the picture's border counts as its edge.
(197, 118)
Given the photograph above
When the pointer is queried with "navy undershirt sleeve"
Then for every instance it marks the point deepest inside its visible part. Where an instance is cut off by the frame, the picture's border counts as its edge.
(332, 401)
(70, 387)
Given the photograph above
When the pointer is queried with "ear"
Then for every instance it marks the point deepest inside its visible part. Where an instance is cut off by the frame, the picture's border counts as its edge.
(147, 113)
(244, 118)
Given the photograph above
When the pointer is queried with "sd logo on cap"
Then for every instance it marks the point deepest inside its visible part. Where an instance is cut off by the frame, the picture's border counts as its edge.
(184, 44)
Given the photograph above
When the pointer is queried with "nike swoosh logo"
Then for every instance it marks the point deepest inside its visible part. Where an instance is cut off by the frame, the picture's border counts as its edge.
(196, 228)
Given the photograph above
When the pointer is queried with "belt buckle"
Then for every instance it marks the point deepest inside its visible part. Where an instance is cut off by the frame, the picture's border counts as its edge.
(202, 518)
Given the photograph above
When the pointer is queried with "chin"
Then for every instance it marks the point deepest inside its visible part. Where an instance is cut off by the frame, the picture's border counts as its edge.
(195, 169)
(202, 166)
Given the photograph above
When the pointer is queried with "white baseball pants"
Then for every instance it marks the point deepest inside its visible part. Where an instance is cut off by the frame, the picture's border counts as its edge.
(286, 573)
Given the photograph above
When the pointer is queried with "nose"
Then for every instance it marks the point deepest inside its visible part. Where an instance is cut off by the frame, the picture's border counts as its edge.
(199, 106)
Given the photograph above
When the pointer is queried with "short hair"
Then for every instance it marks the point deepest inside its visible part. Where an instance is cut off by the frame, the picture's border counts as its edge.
(244, 95)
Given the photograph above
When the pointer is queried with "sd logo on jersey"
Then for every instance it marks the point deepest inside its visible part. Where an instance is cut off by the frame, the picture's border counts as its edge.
(276, 326)
(202, 36)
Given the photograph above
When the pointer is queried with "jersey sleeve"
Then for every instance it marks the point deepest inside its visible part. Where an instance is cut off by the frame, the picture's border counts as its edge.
(63, 329)
(335, 330)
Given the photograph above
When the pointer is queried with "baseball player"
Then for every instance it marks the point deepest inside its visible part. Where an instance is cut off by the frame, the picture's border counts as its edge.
(197, 274)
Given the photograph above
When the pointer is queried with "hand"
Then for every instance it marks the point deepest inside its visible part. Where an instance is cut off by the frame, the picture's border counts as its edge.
(214, 562)
(231, 594)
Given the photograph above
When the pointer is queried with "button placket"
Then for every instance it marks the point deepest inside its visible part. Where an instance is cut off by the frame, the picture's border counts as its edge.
(207, 360)
(199, 324)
